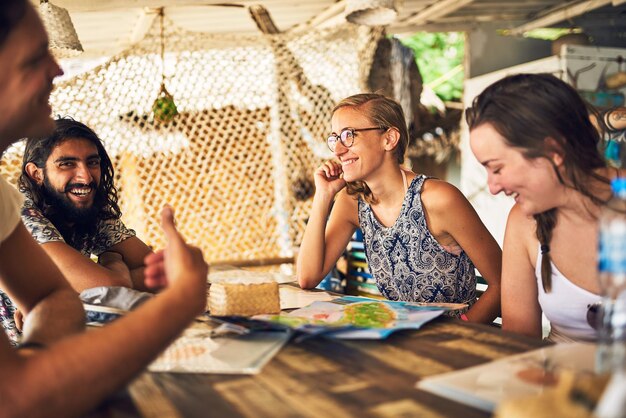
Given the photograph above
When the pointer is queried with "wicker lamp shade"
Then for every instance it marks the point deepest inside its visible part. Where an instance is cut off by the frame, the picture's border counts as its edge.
(63, 39)
(371, 12)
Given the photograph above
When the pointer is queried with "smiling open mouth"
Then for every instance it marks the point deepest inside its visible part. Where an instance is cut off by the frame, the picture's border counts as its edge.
(80, 190)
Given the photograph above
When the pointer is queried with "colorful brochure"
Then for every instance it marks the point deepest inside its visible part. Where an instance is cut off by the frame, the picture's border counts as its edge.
(352, 317)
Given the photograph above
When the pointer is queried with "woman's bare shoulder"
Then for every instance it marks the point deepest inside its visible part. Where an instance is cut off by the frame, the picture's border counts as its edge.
(523, 227)
(346, 206)
(345, 198)
(519, 219)
(438, 195)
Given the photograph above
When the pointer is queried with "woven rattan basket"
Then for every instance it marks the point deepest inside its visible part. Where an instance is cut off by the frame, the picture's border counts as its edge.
(244, 299)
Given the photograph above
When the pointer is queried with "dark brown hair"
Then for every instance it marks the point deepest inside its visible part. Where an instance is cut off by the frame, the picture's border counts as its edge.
(11, 13)
(38, 151)
(528, 108)
(382, 112)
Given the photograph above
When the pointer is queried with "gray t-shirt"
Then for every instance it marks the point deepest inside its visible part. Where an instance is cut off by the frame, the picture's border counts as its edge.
(10, 202)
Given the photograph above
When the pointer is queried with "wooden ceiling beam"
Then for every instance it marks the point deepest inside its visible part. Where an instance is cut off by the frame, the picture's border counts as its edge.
(402, 29)
(436, 10)
(143, 25)
(328, 15)
(99, 5)
(559, 14)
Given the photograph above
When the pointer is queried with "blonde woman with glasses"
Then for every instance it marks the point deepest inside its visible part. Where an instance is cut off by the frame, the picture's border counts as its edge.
(422, 237)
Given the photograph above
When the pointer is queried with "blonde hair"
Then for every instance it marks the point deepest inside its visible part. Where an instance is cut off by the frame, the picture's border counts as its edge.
(382, 112)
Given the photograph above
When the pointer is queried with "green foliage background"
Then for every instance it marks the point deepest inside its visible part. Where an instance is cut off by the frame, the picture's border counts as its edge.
(439, 55)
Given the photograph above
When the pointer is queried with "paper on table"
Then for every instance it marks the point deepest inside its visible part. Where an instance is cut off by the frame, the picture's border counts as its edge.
(293, 297)
(352, 317)
(511, 377)
(197, 352)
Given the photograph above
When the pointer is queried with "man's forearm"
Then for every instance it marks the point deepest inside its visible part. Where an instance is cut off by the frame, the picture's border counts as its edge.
(82, 273)
(84, 378)
(137, 278)
(59, 314)
(115, 263)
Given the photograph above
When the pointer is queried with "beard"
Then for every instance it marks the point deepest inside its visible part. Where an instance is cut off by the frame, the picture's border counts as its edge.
(65, 209)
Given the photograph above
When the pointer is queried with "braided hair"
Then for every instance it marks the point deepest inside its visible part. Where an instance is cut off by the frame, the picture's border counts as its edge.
(526, 109)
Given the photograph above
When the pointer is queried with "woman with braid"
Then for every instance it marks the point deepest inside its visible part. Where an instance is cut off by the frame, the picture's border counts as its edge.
(533, 134)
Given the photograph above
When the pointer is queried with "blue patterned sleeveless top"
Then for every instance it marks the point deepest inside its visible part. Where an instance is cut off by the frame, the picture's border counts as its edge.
(407, 261)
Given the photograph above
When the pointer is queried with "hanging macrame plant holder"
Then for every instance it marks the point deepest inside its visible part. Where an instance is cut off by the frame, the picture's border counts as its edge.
(164, 109)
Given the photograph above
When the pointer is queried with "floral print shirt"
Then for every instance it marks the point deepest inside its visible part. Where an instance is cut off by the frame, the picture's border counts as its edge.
(109, 232)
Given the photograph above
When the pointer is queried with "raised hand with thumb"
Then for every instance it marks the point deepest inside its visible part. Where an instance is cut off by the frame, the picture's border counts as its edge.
(179, 266)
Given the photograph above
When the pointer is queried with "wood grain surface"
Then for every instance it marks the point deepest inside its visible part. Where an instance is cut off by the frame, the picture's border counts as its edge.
(330, 378)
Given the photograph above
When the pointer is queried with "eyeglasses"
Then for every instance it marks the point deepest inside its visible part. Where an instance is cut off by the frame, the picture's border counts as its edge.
(346, 136)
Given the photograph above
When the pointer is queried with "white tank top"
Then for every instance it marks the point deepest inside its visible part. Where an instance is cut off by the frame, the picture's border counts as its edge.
(565, 307)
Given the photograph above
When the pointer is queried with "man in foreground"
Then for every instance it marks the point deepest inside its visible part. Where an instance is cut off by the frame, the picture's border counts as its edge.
(60, 370)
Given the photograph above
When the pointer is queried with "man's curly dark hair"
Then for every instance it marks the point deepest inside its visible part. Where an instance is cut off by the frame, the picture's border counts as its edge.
(38, 151)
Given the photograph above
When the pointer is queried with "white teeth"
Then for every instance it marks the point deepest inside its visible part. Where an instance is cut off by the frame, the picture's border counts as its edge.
(348, 162)
(81, 192)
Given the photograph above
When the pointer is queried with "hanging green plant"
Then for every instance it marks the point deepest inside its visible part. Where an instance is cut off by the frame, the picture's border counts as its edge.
(164, 108)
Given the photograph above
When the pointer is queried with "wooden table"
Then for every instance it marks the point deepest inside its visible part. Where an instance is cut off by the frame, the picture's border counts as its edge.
(330, 378)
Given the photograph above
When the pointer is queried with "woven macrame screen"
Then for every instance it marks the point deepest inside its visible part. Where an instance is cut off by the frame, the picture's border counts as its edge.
(237, 161)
